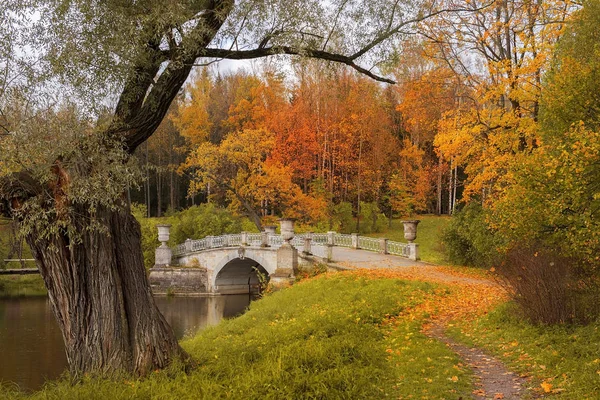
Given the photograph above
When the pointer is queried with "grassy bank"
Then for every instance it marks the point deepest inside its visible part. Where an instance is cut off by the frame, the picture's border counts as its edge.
(429, 235)
(22, 285)
(336, 336)
(562, 361)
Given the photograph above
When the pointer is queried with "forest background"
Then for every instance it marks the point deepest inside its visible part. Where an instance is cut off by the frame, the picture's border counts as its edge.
(494, 118)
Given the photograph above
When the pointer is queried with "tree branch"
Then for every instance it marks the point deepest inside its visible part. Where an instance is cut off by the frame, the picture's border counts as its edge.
(270, 51)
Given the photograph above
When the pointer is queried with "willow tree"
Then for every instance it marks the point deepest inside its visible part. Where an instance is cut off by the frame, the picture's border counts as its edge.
(111, 69)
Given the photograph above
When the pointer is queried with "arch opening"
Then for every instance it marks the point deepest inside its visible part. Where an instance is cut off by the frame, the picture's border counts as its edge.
(240, 276)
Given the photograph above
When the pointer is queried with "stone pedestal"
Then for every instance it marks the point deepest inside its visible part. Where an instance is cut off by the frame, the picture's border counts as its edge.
(413, 251)
(383, 246)
(162, 256)
(329, 249)
(264, 239)
(331, 238)
(287, 260)
(354, 240)
(307, 242)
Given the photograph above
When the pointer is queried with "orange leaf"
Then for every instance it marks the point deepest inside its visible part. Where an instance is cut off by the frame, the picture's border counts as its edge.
(546, 386)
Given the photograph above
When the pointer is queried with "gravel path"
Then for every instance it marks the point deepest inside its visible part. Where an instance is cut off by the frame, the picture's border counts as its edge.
(493, 379)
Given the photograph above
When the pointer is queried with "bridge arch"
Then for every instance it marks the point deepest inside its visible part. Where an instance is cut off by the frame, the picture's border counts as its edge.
(236, 275)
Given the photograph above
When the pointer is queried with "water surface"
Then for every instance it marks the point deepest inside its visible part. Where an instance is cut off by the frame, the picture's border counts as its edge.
(31, 346)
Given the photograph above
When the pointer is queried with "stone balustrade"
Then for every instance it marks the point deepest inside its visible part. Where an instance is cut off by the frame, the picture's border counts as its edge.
(308, 243)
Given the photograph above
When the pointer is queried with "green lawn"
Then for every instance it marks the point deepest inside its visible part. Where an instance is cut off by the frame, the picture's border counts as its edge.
(22, 285)
(429, 233)
(563, 361)
(337, 336)
(4, 246)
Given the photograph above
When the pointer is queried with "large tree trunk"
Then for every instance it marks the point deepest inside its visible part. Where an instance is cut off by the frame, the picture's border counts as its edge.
(101, 297)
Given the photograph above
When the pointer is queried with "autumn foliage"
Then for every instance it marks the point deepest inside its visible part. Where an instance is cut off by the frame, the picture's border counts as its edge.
(300, 149)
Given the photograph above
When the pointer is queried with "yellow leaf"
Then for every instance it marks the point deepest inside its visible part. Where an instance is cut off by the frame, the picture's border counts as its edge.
(546, 386)
(454, 378)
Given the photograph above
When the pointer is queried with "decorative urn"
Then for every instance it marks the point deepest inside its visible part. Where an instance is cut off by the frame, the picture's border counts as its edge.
(410, 229)
(287, 229)
(163, 233)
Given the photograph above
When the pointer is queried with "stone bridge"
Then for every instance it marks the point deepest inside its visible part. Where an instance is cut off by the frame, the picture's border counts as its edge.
(237, 263)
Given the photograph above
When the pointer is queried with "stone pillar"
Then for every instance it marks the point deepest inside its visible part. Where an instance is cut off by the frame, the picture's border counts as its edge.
(413, 251)
(329, 254)
(209, 242)
(264, 239)
(383, 246)
(331, 238)
(163, 253)
(244, 238)
(354, 240)
(287, 255)
(226, 240)
(287, 266)
(307, 241)
(188, 245)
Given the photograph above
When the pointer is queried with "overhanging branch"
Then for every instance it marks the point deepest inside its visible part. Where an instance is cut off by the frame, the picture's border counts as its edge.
(270, 51)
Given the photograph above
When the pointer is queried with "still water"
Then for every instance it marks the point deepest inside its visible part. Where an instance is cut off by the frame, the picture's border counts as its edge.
(31, 347)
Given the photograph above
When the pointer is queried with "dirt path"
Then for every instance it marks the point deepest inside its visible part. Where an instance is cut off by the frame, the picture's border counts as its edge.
(492, 379)
(473, 296)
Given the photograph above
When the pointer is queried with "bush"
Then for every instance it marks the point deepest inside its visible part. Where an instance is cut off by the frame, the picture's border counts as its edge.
(206, 219)
(549, 288)
(343, 219)
(468, 240)
(371, 219)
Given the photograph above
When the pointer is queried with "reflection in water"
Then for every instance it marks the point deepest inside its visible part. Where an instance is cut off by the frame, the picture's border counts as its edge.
(31, 346)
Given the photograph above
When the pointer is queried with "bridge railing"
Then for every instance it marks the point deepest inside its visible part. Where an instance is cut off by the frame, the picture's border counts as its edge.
(398, 248)
(367, 243)
(321, 250)
(343, 240)
(319, 244)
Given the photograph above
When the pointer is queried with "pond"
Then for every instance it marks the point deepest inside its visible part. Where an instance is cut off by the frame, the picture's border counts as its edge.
(31, 346)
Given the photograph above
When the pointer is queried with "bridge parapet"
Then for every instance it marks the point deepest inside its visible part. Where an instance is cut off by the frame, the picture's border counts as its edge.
(310, 243)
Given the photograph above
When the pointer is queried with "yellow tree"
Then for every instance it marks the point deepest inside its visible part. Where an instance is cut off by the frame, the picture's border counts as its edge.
(497, 117)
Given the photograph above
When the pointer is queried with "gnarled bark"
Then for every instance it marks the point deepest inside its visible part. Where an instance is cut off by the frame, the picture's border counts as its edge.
(101, 298)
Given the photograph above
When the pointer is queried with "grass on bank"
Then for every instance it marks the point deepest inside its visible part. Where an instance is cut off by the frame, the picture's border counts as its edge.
(22, 285)
(338, 336)
(429, 236)
(562, 361)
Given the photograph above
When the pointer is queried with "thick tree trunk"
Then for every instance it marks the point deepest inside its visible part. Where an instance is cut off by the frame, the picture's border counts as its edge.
(101, 298)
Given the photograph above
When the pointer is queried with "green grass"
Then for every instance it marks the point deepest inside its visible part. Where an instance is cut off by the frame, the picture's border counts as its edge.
(333, 337)
(429, 234)
(566, 357)
(22, 285)
(4, 245)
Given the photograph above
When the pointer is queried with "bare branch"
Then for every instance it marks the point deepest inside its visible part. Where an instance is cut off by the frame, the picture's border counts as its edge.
(270, 51)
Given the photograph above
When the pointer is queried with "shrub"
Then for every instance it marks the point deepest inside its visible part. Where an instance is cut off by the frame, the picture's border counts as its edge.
(199, 221)
(468, 240)
(548, 287)
(372, 220)
(343, 220)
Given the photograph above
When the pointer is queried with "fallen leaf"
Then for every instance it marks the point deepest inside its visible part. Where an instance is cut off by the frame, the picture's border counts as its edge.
(546, 386)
